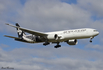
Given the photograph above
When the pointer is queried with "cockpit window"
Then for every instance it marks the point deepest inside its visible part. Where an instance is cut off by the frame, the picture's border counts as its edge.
(95, 30)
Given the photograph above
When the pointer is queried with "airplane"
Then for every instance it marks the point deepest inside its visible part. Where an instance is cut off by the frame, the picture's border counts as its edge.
(68, 36)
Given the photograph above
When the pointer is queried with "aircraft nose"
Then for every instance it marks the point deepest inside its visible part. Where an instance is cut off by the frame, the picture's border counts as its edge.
(97, 33)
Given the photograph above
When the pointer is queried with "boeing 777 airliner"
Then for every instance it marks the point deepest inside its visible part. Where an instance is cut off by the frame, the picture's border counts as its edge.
(68, 36)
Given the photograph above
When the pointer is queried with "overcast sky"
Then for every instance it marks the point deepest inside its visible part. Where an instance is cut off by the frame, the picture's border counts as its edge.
(46, 16)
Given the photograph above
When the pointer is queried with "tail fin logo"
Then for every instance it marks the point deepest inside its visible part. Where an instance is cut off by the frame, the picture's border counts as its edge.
(20, 32)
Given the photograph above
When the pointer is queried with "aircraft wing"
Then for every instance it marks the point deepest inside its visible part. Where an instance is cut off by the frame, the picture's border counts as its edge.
(37, 33)
(11, 37)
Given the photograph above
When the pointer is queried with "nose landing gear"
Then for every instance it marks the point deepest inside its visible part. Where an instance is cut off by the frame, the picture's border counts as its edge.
(91, 39)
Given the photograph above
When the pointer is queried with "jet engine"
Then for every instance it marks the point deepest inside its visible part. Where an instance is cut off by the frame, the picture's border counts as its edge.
(54, 37)
(72, 42)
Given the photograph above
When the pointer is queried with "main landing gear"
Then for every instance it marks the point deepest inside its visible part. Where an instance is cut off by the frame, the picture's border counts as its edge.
(91, 39)
(57, 46)
(46, 43)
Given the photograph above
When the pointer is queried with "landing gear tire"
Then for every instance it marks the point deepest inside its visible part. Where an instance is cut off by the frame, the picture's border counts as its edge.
(57, 46)
(91, 39)
(46, 43)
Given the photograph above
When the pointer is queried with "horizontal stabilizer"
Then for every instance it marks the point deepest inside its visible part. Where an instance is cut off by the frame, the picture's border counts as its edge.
(17, 39)
(11, 37)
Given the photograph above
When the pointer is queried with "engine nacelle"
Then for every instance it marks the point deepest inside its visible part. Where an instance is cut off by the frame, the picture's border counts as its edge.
(72, 42)
(54, 37)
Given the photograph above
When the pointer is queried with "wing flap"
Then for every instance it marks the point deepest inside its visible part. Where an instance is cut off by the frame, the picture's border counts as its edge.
(37, 33)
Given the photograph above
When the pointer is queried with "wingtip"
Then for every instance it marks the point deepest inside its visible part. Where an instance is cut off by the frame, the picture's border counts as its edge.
(6, 23)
